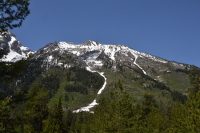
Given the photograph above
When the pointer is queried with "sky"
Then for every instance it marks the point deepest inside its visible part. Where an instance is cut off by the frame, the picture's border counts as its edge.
(165, 28)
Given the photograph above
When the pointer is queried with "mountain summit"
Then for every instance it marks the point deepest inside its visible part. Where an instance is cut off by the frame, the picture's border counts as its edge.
(97, 56)
(140, 72)
(15, 50)
(83, 73)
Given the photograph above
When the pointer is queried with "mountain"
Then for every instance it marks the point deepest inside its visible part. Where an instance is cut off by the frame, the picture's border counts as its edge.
(84, 73)
(14, 49)
(99, 56)
(140, 72)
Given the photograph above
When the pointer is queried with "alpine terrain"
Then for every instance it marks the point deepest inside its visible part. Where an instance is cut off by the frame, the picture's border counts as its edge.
(83, 73)
(93, 87)
(14, 49)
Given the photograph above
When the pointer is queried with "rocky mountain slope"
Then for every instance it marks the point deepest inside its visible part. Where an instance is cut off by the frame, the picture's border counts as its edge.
(140, 72)
(74, 72)
(15, 50)
(99, 56)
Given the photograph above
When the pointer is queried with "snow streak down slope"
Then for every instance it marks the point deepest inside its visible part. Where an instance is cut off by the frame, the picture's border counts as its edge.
(101, 54)
(94, 103)
(138, 65)
(109, 50)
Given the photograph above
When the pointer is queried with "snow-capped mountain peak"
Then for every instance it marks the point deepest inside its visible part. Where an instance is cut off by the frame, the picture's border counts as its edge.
(15, 50)
(109, 49)
(96, 55)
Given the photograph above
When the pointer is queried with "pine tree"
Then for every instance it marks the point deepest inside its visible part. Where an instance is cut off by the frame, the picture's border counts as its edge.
(155, 122)
(148, 104)
(12, 14)
(6, 123)
(69, 120)
(186, 118)
(36, 110)
(54, 122)
(10, 71)
(118, 114)
(195, 82)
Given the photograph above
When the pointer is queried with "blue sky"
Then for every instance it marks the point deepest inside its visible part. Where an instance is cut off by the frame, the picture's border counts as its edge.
(166, 28)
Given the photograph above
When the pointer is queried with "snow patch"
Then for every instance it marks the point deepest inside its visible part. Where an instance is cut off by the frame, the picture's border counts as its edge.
(24, 48)
(12, 56)
(12, 40)
(94, 103)
(50, 58)
(136, 56)
(65, 45)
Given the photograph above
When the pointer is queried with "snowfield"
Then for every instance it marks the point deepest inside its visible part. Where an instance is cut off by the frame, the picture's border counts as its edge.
(14, 56)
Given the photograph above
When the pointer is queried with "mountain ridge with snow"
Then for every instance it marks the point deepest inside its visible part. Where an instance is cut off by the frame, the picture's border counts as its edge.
(15, 50)
(91, 51)
(140, 71)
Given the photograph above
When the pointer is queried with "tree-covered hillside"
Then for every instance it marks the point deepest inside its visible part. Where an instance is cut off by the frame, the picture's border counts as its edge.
(117, 113)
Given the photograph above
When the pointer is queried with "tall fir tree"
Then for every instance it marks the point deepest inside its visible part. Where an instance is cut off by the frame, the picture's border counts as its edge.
(54, 122)
(6, 123)
(36, 110)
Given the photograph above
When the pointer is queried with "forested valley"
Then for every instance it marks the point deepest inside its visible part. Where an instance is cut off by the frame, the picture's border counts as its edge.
(30, 111)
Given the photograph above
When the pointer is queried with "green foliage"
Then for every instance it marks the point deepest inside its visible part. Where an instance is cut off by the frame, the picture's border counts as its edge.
(10, 71)
(183, 71)
(149, 104)
(51, 82)
(118, 112)
(36, 110)
(177, 96)
(117, 115)
(76, 87)
(6, 123)
(156, 122)
(12, 13)
(186, 118)
(69, 120)
(31, 73)
(54, 122)
(87, 78)
(119, 85)
(195, 81)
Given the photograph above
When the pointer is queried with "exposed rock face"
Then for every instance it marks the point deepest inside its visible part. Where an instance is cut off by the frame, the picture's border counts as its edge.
(90, 53)
(3, 45)
(14, 49)
(99, 56)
